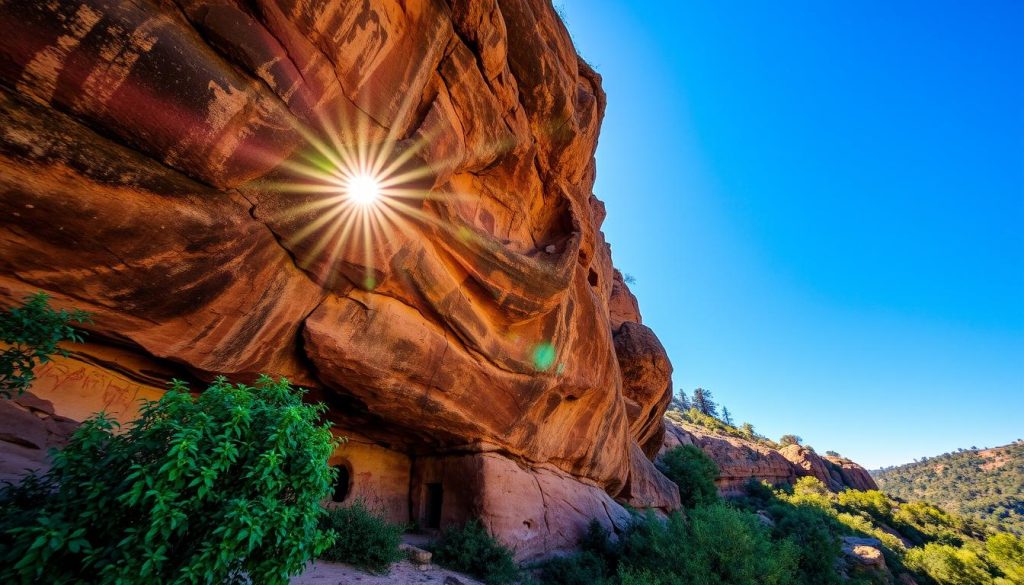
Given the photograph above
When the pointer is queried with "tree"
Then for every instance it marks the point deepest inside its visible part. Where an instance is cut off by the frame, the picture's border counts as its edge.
(726, 417)
(704, 403)
(748, 429)
(786, 440)
(832, 453)
(32, 333)
(225, 487)
(680, 401)
(694, 472)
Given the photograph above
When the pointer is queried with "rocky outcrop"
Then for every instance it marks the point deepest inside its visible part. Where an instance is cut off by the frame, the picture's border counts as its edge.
(179, 170)
(863, 557)
(852, 474)
(835, 472)
(29, 427)
(741, 460)
(808, 463)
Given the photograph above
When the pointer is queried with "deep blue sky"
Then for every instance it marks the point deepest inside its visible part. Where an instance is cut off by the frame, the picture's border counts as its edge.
(823, 206)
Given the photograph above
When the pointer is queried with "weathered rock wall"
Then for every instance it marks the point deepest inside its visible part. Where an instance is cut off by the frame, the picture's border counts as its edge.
(178, 169)
(740, 460)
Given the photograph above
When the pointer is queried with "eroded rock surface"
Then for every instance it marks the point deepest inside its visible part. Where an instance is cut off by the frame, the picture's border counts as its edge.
(741, 460)
(178, 169)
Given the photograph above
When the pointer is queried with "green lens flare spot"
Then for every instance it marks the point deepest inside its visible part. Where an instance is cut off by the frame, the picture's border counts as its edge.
(543, 356)
(370, 283)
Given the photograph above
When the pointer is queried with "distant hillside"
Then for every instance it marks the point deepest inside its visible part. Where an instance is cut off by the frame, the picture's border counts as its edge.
(987, 484)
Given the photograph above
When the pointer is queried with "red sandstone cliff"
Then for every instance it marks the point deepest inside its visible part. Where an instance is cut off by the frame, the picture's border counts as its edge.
(740, 460)
(173, 168)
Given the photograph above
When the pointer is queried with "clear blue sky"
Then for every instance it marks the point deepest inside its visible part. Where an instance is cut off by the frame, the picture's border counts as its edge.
(823, 206)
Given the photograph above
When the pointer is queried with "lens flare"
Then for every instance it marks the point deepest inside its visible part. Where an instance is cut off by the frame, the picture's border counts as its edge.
(363, 190)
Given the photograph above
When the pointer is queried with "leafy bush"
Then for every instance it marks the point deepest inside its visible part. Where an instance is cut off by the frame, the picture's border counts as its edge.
(33, 332)
(472, 550)
(947, 565)
(585, 568)
(717, 545)
(693, 471)
(813, 532)
(362, 538)
(728, 546)
(787, 440)
(1006, 553)
(216, 489)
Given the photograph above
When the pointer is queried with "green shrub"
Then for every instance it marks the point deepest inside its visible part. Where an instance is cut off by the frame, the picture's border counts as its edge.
(813, 532)
(1006, 553)
(693, 471)
(33, 332)
(362, 538)
(472, 550)
(215, 489)
(947, 565)
(585, 568)
(726, 546)
(716, 545)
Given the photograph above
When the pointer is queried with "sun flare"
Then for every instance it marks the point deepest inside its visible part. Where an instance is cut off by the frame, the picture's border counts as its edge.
(363, 189)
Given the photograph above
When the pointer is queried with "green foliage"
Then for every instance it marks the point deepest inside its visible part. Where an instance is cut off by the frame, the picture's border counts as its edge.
(733, 547)
(947, 565)
(585, 568)
(786, 440)
(704, 403)
(716, 545)
(710, 423)
(693, 471)
(814, 534)
(472, 550)
(215, 489)
(1006, 553)
(33, 333)
(985, 485)
(362, 538)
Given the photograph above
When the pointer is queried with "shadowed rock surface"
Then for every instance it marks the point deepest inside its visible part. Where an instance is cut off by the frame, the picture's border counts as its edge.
(175, 168)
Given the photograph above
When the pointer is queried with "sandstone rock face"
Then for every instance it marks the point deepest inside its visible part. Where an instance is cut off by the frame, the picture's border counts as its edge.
(809, 463)
(852, 474)
(740, 460)
(835, 472)
(29, 427)
(179, 170)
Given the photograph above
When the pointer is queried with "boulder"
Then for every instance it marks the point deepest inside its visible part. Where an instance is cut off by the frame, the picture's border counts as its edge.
(863, 554)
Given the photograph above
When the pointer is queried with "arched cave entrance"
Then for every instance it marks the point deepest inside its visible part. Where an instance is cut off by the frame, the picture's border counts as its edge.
(342, 483)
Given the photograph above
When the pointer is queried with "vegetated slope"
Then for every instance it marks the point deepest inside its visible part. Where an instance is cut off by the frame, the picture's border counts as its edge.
(987, 484)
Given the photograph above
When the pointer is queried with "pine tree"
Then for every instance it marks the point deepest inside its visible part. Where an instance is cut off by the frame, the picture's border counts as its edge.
(680, 401)
(703, 402)
(726, 417)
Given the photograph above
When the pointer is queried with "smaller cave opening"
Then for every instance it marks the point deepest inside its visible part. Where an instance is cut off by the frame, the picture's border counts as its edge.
(592, 278)
(342, 484)
(435, 500)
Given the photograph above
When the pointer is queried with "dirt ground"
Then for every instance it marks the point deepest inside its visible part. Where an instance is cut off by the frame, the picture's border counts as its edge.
(403, 573)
